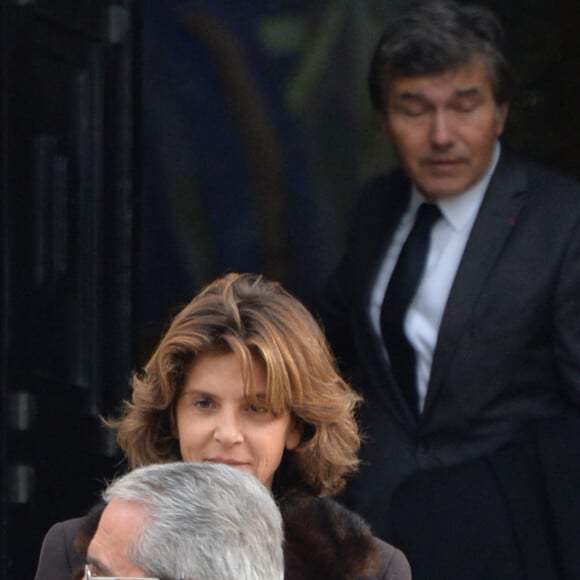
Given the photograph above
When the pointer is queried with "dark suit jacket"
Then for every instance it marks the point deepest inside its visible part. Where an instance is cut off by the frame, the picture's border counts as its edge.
(512, 514)
(508, 350)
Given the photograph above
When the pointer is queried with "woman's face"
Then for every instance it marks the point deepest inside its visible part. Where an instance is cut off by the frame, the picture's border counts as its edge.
(215, 422)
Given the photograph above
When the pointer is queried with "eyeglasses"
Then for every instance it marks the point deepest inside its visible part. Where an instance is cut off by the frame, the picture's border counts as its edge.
(89, 575)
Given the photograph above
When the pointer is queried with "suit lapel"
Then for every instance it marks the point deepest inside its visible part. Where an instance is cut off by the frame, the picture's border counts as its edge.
(391, 198)
(391, 203)
(497, 215)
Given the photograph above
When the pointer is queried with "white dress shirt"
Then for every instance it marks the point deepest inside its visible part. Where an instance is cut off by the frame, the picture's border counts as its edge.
(448, 239)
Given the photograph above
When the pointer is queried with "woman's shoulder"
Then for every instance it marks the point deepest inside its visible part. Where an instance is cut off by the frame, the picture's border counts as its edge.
(58, 558)
(65, 545)
(321, 534)
(394, 564)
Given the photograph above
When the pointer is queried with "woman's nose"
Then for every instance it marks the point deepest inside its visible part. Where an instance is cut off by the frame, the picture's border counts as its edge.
(228, 429)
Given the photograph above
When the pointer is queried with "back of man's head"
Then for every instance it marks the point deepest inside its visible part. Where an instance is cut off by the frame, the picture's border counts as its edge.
(203, 521)
(433, 36)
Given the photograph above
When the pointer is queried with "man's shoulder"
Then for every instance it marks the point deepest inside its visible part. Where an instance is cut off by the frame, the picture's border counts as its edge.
(554, 184)
(543, 179)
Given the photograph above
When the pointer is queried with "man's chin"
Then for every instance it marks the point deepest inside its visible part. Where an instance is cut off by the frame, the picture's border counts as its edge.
(441, 188)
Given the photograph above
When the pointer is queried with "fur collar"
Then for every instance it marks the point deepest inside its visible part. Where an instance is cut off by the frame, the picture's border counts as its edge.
(325, 541)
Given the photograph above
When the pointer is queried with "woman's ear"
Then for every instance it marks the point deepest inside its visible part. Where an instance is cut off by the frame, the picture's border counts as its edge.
(173, 423)
(294, 435)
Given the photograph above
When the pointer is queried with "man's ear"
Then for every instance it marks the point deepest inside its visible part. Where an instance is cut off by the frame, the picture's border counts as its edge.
(502, 113)
(383, 121)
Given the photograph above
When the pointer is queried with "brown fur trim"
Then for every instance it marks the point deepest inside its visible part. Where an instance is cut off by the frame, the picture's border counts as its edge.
(325, 541)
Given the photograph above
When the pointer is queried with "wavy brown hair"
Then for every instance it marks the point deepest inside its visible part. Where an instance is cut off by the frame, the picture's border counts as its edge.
(258, 320)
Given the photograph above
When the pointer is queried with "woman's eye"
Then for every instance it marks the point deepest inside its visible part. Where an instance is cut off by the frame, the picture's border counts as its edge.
(256, 408)
(202, 403)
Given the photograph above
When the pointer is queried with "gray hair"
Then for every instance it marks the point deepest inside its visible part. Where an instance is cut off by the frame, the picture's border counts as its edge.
(203, 521)
(434, 36)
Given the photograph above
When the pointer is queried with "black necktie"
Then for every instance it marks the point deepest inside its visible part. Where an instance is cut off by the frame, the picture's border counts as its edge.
(400, 291)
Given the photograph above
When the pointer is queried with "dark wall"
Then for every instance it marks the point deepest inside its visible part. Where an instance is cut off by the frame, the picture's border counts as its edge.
(68, 169)
(544, 44)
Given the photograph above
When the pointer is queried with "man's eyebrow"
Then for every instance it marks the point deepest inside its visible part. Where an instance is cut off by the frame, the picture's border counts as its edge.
(410, 95)
(419, 95)
(468, 92)
(104, 570)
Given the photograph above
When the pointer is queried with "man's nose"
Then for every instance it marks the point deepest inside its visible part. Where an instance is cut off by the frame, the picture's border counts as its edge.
(441, 134)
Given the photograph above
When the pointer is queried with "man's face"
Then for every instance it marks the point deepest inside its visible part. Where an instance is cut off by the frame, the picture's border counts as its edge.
(444, 127)
(120, 525)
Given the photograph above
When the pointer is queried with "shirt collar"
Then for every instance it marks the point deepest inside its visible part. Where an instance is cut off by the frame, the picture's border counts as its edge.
(459, 210)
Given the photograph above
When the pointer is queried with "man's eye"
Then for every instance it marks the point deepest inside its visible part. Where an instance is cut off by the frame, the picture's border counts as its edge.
(94, 571)
(467, 108)
(467, 105)
(413, 110)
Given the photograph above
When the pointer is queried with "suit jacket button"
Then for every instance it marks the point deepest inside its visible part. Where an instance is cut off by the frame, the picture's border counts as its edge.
(422, 455)
(422, 447)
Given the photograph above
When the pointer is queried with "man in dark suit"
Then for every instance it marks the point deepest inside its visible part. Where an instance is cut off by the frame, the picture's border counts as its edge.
(484, 346)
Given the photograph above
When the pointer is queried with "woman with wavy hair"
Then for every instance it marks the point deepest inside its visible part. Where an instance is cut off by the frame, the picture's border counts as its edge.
(244, 376)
